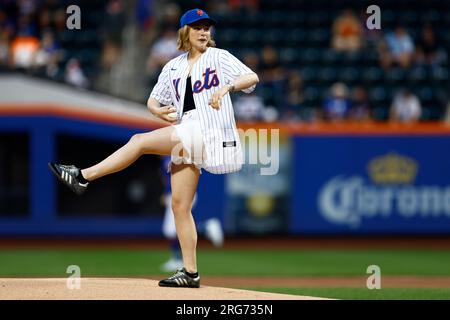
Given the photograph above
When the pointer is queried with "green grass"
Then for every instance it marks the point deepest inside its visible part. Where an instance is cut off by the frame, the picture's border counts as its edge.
(227, 262)
(92, 262)
(289, 263)
(325, 263)
(365, 294)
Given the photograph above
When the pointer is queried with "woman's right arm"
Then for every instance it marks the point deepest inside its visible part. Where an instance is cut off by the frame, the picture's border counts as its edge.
(159, 111)
(161, 95)
(153, 105)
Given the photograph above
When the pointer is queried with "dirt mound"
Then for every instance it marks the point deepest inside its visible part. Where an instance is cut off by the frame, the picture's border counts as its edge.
(124, 289)
(347, 282)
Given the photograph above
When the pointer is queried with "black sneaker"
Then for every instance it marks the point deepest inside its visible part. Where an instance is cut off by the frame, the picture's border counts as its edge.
(68, 175)
(181, 279)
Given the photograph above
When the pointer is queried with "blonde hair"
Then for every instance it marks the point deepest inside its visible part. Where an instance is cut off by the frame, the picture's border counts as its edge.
(183, 43)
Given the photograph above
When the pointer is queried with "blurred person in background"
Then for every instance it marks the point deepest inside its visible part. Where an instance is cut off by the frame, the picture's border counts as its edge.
(294, 97)
(360, 109)
(114, 21)
(244, 6)
(111, 53)
(4, 19)
(27, 7)
(162, 51)
(59, 21)
(249, 107)
(45, 20)
(273, 77)
(154, 17)
(397, 48)
(26, 27)
(145, 14)
(347, 32)
(7, 30)
(165, 47)
(405, 107)
(48, 56)
(74, 74)
(337, 105)
(251, 60)
(447, 113)
(111, 34)
(4, 49)
(23, 51)
(428, 50)
(7, 24)
(171, 17)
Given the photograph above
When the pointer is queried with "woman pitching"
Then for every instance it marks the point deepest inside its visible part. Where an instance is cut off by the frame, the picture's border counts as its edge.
(192, 93)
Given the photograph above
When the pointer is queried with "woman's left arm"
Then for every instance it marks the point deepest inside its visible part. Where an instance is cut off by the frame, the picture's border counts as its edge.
(241, 83)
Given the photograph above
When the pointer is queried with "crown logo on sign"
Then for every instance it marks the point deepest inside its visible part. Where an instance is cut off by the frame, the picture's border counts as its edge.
(392, 169)
(200, 12)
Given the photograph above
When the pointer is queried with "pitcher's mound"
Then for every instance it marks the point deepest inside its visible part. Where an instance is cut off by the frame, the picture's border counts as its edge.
(123, 289)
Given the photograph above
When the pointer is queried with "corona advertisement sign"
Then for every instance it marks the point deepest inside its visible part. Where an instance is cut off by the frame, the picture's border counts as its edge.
(401, 185)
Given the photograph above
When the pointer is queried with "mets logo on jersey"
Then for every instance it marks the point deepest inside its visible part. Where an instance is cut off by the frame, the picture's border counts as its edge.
(208, 82)
(175, 84)
(210, 79)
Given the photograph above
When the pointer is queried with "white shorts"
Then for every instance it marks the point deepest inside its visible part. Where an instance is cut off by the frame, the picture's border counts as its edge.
(190, 134)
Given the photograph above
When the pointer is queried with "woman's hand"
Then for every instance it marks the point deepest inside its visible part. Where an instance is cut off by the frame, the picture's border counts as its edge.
(214, 102)
(163, 113)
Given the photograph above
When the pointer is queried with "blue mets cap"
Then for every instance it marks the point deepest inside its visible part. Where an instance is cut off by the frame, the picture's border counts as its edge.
(194, 15)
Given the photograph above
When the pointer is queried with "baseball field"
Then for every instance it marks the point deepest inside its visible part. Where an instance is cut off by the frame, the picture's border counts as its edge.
(328, 268)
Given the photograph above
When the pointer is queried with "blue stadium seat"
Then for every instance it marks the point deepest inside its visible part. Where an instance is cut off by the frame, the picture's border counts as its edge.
(294, 19)
(310, 56)
(395, 75)
(328, 74)
(349, 75)
(330, 57)
(295, 37)
(378, 94)
(430, 16)
(289, 56)
(408, 17)
(274, 36)
(425, 94)
(308, 73)
(372, 74)
(417, 75)
(274, 18)
(439, 74)
(229, 37)
(253, 37)
(312, 95)
(67, 38)
(318, 37)
(381, 112)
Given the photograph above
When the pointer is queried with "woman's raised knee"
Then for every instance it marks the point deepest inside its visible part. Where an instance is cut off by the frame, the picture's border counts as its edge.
(138, 141)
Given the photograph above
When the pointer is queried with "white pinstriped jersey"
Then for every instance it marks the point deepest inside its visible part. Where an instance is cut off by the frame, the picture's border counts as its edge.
(214, 69)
